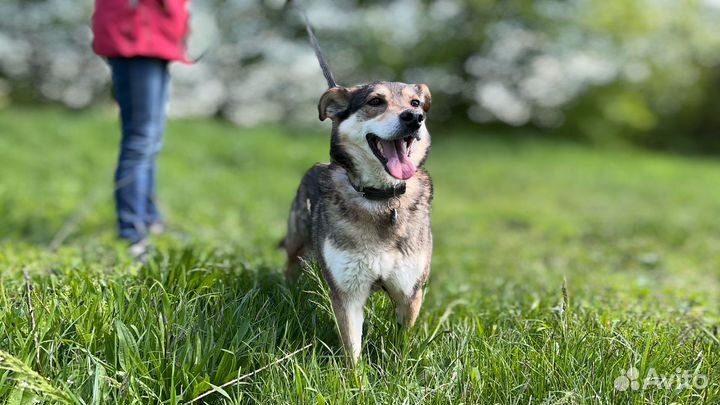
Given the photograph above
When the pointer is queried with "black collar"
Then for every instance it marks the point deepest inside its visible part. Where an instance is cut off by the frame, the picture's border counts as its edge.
(376, 194)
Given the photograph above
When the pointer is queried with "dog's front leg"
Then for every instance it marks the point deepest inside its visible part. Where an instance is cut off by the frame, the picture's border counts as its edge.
(407, 304)
(349, 313)
(405, 287)
(407, 313)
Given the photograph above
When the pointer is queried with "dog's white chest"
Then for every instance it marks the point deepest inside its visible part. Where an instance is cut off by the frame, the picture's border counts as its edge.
(356, 271)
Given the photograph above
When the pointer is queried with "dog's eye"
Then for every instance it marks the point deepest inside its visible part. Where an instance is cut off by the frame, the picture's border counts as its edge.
(415, 103)
(376, 101)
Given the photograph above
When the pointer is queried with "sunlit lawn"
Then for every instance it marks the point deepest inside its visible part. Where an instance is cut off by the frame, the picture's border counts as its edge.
(636, 236)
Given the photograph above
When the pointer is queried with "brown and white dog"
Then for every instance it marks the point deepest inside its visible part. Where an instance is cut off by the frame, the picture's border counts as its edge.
(365, 216)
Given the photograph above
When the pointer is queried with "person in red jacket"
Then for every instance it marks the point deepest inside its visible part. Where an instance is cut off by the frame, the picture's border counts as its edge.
(139, 38)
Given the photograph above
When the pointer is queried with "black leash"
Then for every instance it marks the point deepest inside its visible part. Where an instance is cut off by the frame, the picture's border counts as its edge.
(315, 45)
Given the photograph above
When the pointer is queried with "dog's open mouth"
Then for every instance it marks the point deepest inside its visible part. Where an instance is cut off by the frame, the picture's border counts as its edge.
(394, 155)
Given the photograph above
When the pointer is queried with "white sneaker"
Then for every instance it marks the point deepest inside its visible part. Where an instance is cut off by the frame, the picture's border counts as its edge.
(139, 250)
(157, 228)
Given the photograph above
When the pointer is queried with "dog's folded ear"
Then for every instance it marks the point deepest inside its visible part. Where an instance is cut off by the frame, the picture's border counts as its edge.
(425, 93)
(333, 102)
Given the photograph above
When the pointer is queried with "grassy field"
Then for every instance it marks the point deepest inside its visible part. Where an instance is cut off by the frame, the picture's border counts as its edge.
(557, 267)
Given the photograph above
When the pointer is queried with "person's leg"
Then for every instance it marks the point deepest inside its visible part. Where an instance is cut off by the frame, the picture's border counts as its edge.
(153, 219)
(138, 85)
(152, 215)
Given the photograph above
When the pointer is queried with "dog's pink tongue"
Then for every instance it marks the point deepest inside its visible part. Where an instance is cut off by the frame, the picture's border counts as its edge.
(398, 163)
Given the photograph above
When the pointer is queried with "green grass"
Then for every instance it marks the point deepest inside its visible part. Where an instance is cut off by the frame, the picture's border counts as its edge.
(635, 236)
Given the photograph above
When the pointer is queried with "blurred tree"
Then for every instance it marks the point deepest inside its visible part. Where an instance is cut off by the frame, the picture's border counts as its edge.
(641, 71)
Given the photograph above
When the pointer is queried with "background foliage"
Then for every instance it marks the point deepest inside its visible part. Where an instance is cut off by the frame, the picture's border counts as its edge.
(638, 70)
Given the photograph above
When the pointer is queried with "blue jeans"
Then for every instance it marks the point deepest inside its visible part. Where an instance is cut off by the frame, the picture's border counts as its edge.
(141, 90)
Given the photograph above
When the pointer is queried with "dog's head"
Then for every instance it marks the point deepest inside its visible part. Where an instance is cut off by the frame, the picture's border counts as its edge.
(379, 132)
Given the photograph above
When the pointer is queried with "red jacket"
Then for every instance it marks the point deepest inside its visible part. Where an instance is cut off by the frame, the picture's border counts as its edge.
(152, 28)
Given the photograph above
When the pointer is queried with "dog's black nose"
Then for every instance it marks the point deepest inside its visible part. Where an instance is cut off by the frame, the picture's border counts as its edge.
(412, 119)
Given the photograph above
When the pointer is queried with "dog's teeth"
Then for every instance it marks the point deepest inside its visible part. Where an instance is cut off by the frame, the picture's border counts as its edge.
(409, 143)
(380, 147)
